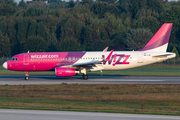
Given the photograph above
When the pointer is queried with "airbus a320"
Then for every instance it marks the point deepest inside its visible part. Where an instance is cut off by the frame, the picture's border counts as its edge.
(66, 64)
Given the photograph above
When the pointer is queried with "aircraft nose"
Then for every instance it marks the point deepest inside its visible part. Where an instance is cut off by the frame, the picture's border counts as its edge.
(5, 65)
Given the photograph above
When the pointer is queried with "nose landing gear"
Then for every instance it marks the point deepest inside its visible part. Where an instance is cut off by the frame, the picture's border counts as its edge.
(27, 75)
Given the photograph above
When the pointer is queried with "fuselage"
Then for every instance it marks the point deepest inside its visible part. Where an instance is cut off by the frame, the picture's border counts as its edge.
(48, 61)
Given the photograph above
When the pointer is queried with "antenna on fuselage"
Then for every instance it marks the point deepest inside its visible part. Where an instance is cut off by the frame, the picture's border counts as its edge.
(28, 51)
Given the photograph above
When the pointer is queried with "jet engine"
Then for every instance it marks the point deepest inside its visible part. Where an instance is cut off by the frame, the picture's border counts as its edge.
(65, 72)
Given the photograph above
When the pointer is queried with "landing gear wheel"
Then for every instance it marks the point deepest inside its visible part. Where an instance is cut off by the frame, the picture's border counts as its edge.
(27, 75)
(26, 78)
(85, 77)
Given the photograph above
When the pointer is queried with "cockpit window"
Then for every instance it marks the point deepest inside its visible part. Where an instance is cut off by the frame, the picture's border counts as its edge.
(14, 59)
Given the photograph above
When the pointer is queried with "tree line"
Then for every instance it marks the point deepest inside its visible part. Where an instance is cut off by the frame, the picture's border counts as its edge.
(87, 25)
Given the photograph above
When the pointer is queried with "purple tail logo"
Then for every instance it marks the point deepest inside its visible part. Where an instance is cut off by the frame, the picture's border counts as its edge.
(117, 59)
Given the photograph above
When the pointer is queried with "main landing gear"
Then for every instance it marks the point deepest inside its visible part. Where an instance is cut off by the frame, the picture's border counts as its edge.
(27, 76)
(85, 76)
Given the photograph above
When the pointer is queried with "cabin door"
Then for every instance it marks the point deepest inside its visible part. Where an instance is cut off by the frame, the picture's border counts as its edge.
(26, 60)
(139, 58)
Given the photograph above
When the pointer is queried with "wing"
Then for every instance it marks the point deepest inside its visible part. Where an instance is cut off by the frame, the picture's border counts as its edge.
(92, 64)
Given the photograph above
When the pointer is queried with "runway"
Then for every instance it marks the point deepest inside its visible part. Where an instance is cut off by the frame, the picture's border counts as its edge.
(16, 114)
(50, 79)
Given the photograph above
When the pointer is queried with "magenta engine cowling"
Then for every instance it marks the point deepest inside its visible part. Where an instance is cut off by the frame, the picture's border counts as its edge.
(65, 72)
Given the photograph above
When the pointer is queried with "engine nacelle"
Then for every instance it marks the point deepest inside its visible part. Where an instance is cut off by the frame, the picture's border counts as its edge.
(65, 72)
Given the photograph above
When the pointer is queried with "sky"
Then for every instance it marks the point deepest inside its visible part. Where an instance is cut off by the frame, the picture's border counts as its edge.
(67, 0)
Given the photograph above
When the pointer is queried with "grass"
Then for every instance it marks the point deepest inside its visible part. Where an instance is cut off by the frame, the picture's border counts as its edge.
(121, 98)
(150, 70)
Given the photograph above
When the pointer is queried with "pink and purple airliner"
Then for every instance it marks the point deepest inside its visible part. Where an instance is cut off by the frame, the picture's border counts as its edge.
(66, 64)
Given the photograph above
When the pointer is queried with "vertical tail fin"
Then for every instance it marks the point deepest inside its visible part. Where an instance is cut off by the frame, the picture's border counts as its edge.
(159, 41)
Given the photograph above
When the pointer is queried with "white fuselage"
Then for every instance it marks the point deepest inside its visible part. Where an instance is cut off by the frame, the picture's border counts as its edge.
(125, 59)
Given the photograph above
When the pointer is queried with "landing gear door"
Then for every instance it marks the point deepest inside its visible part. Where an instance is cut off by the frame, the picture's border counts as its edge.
(139, 58)
(26, 60)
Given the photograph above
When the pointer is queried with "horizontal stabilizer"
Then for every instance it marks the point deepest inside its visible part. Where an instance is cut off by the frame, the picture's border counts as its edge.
(171, 55)
(161, 56)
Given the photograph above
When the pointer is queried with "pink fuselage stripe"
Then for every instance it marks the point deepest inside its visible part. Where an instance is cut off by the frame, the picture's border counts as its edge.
(42, 61)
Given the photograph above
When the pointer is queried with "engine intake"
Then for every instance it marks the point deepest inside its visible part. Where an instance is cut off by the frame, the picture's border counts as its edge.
(65, 72)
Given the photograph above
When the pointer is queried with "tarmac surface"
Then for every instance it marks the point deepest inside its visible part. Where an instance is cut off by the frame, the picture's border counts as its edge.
(16, 114)
(52, 79)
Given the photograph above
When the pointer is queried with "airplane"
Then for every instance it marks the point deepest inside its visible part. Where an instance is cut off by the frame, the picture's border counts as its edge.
(66, 64)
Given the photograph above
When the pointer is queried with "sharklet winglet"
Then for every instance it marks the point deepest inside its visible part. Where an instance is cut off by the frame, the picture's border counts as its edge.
(105, 50)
